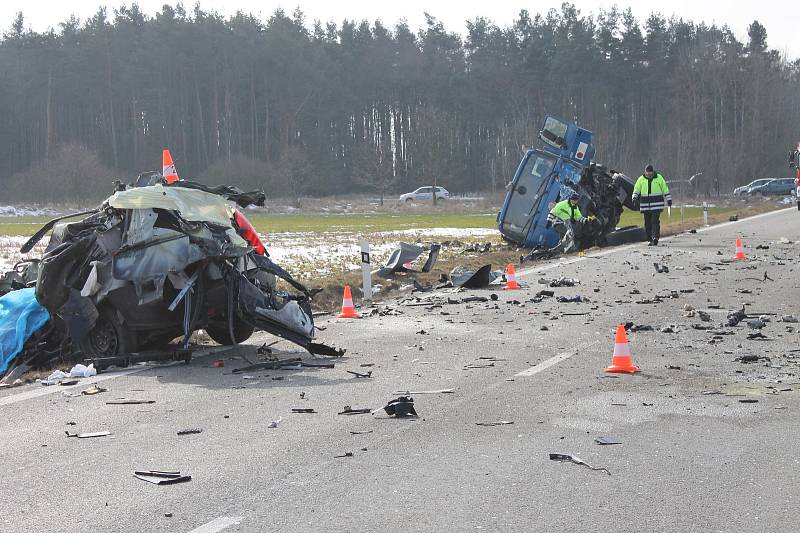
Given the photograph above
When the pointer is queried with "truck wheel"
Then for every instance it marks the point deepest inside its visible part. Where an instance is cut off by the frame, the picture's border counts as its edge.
(626, 235)
(241, 332)
(109, 336)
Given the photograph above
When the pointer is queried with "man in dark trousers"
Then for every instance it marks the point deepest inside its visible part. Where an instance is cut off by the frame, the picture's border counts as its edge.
(650, 194)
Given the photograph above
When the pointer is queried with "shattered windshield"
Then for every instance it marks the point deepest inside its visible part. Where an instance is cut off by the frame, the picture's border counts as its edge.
(526, 194)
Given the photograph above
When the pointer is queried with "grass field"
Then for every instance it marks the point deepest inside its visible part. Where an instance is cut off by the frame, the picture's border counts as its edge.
(368, 223)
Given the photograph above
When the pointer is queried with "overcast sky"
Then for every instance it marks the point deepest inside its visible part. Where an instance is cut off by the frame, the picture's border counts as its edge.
(780, 17)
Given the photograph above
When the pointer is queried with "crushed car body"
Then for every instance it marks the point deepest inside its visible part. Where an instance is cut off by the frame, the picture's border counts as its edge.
(154, 263)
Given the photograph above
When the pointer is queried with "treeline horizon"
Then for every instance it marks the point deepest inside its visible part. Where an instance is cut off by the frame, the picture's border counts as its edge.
(304, 108)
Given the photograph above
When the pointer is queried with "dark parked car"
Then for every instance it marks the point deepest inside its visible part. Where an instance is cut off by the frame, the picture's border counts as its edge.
(775, 187)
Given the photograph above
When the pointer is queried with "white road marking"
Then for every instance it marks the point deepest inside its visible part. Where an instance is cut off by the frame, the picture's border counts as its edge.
(547, 363)
(544, 365)
(43, 391)
(218, 524)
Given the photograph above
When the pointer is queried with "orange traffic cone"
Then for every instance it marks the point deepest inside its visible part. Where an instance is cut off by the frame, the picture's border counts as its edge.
(348, 309)
(621, 362)
(739, 250)
(168, 168)
(511, 278)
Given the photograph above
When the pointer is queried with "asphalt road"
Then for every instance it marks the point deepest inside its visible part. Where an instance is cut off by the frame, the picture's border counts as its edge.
(693, 456)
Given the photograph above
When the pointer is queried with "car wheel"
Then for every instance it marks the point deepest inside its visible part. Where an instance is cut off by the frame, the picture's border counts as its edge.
(409, 200)
(626, 235)
(219, 333)
(109, 337)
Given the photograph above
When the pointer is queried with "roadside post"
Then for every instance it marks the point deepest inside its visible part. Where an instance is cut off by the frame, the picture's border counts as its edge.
(705, 213)
(365, 270)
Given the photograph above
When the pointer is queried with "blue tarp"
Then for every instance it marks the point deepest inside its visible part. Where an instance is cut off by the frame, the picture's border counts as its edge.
(20, 317)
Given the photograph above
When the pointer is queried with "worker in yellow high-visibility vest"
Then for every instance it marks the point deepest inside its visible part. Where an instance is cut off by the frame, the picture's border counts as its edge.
(651, 194)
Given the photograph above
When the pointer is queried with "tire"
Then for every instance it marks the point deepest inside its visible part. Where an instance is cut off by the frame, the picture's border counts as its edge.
(109, 337)
(626, 235)
(241, 332)
(409, 201)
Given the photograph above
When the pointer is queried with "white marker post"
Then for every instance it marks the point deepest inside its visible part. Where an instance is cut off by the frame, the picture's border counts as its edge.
(365, 270)
(705, 213)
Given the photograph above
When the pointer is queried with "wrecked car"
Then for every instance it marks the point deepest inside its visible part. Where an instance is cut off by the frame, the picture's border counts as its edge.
(544, 176)
(154, 262)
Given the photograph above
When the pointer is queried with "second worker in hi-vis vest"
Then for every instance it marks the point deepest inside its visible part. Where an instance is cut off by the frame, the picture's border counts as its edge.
(651, 194)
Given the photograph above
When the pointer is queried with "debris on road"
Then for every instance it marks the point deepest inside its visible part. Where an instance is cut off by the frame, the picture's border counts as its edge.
(571, 299)
(191, 431)
(303, 410)
(605, 441)
(94, 389)
(158, 477)
(661, 269)
(345, 454)
(757, 323)
(496, 423)
(350, 411)
(124, 401)
(400, 407)
(469, 279)
(88, 435)
(404, 255)
(572, 459)
(359, 374)
(275, 423)
(790, 319)
(559, 282)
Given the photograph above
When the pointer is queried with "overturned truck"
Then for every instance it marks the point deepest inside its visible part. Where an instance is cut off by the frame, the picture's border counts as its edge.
(153, 263)
(562, 166)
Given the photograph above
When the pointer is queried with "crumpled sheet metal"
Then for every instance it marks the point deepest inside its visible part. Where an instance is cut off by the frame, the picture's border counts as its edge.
(193, 205)
(473, 279)
(157, 260)
(406, 253)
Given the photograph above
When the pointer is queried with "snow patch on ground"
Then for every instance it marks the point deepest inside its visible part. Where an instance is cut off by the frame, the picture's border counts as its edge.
(17, 211)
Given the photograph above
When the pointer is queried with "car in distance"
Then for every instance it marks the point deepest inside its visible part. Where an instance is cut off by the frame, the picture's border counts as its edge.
(774, 187)
(744, 189)
(425, 193)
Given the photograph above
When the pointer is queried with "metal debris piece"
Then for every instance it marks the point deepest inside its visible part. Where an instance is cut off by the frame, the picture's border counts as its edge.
(359, 374)
(345, 454)
(572, 459)
(400, 407)
(124, 401)
(571, 299)
(748, 400)
(605, 441)
(366, 432)
(303, 410)
(704, 316)
(757, 336)
(496, 423)
(789, 319)
(756, 323)
(192, 431)
(88, 435)
(158, 477)
(275, 423)
(350, 411)
(94, 389)
(661, 269)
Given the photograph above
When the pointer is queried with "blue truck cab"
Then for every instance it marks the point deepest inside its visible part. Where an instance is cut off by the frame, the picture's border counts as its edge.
(544, 176)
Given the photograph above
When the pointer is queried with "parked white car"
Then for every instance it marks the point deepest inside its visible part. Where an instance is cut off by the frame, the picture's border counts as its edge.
(425, 194)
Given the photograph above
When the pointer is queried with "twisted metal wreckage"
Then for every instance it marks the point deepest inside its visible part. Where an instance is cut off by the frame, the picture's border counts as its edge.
(155, 261)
